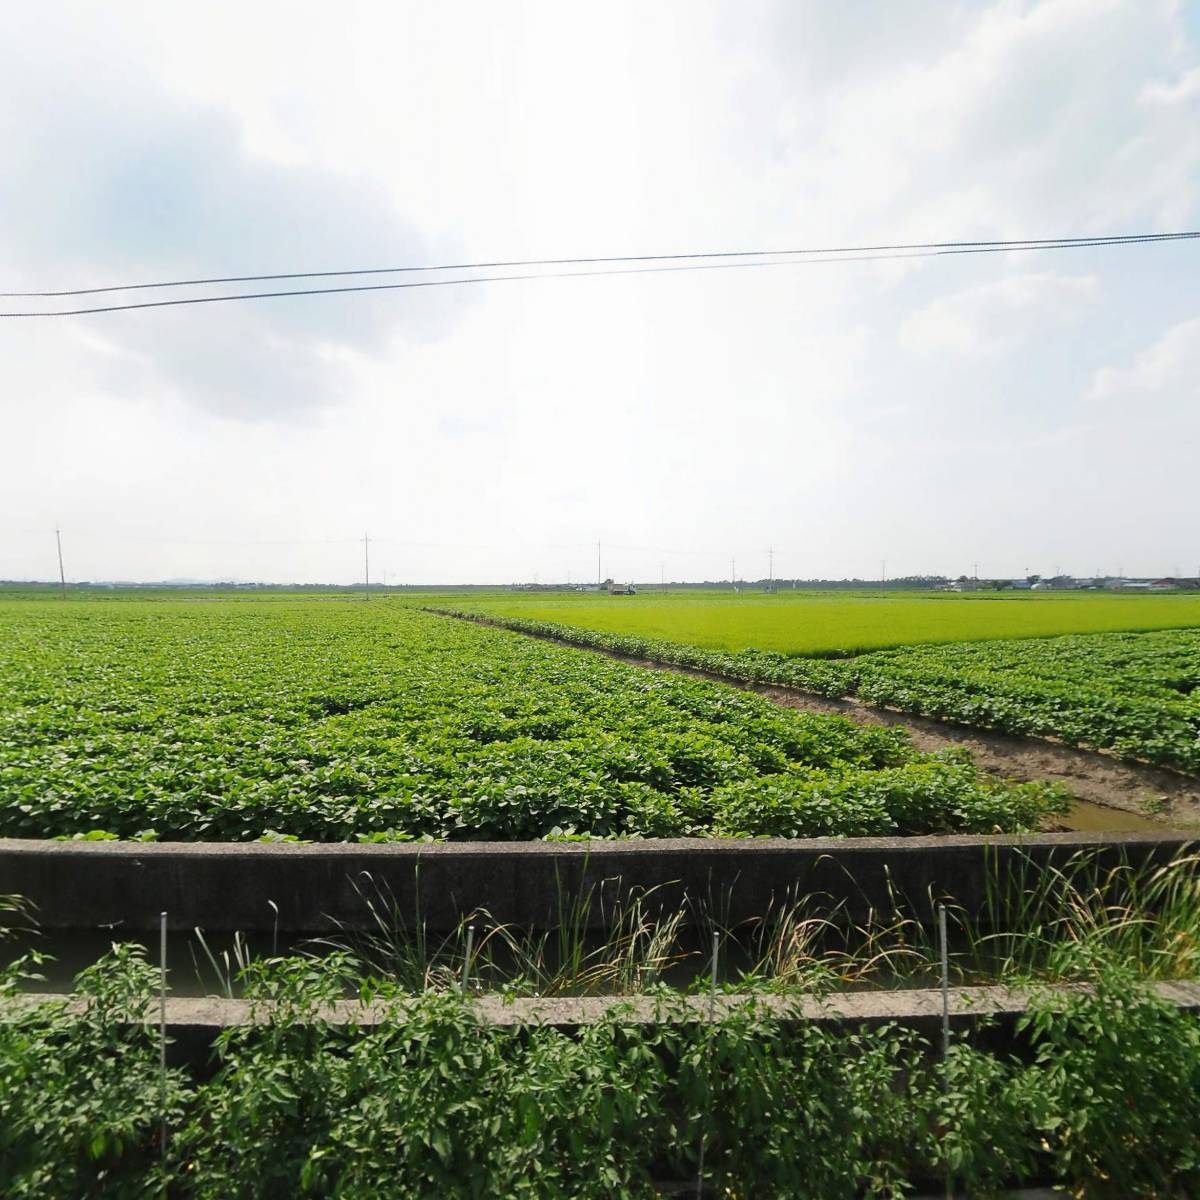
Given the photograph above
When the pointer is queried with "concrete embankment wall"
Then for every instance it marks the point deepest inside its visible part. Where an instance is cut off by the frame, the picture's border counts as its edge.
(317, 888)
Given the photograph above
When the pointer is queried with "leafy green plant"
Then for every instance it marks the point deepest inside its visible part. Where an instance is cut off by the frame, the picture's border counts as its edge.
(1137, 694)
(1118, 1075)
(304, 719)
(80, 1097)
(1101, 1096)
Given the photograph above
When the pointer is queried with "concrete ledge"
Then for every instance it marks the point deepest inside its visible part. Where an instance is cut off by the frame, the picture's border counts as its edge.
(192, 1024)
(321, 887)
(917, 1007)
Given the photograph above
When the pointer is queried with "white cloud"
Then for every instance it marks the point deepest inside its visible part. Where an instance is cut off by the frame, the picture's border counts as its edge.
(1026, 120)
(1170, 366)
(1184, 90)
(722, 412)
(993, 316)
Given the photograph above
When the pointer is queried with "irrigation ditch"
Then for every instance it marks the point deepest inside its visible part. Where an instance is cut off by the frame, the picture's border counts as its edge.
(1111, 793)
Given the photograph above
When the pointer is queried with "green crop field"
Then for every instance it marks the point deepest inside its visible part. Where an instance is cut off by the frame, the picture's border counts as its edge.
(837, 623)
(1137, 694)
(337, 719)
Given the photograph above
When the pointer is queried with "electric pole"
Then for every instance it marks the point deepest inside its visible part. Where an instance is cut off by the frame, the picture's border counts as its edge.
(662, 574)
(599, 575)
(770, 566)
(62, 579)
(366, 568)
(733, 573)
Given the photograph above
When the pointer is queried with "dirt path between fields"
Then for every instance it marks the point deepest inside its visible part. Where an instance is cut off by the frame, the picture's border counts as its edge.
(1146, 795)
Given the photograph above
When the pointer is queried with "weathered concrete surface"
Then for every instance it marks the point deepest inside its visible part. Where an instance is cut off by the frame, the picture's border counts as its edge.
(192, 1024)
(319, 888)
(917, 1007)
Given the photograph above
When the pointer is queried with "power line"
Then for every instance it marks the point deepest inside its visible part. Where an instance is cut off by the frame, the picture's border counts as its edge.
(837, 255)
(621, 258)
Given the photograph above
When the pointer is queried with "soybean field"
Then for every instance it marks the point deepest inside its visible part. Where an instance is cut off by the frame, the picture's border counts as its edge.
(341, 719)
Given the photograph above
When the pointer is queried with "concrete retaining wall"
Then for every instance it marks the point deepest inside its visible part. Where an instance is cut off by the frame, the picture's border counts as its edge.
(317, 888)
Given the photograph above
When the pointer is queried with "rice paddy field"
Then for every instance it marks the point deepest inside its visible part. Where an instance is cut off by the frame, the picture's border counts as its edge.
(836, 624)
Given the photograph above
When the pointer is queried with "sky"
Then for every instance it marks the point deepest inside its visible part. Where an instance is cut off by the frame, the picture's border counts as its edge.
(1013, 413)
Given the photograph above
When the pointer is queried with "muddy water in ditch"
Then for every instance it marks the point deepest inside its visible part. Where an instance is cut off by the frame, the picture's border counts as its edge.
(1096, 818)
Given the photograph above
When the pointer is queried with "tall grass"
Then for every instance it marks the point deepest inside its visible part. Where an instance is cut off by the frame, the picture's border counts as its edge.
(1028, 926)
(1032, 923)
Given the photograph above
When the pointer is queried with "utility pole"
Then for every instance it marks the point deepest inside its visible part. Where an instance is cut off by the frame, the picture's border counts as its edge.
(882, 572)
(733, 573)
(599, 575)
(770, 566)
(366, 567)
(662, 574)
(61, 575)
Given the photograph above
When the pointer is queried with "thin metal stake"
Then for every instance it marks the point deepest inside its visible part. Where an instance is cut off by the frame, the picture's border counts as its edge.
(712, 1014)
(466, 976)
(162, 1031)
(712, 990)
(945, 955)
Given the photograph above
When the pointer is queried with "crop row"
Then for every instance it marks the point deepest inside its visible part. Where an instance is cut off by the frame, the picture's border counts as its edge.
(1104, 1100)
(352, 720)
(1137, 694)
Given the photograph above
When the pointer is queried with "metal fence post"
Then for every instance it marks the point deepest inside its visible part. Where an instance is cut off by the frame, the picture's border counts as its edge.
(162, 1034)
(466, 974)
(712, 1015)
(945, 957)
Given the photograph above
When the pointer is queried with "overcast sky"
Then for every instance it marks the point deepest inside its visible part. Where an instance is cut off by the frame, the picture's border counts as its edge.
(1034, 411)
